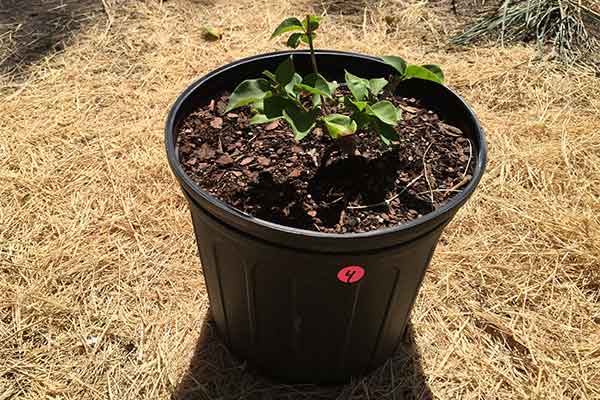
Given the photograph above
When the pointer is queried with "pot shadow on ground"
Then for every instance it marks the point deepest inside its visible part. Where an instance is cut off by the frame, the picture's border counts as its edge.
(33, 29)
(214, 373)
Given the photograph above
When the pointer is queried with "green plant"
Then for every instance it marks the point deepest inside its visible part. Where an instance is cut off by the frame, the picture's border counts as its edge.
(304, 102)
(366, 110)
(284, 94)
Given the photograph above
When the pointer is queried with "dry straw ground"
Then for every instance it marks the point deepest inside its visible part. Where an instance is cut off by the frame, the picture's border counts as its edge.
(101, 294)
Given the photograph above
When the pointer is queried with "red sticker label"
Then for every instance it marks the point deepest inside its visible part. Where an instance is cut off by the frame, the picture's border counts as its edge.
(351, 274)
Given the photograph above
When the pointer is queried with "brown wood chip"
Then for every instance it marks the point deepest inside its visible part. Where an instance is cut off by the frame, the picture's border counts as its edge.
(205, 152)
(409, 109)
(217, 123)
(271, 126)
(450, 130)
(247, 161)
(264, 161)
(225, 159)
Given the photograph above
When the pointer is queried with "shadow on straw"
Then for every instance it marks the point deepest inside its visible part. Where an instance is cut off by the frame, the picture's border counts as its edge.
(214, 373)
(38, 28)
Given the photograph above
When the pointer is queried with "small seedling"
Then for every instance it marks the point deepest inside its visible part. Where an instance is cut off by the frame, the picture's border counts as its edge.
(303, 102)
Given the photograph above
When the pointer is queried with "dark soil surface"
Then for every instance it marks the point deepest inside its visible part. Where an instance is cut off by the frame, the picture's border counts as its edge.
(262, 170)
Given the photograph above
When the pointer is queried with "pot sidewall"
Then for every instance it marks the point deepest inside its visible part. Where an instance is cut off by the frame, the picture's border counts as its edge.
(275, 291)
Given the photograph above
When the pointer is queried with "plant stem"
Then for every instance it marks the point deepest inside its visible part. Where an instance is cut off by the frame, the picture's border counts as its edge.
(313, 58)
(324, 104)
(310, 44)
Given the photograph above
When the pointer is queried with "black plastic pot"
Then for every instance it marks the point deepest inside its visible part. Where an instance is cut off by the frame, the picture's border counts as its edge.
(284, 299)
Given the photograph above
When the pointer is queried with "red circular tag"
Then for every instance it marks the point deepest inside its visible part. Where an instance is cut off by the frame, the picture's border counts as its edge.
(351, 274)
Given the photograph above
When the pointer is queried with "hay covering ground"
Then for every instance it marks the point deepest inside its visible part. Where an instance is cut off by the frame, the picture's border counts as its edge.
(101, 294)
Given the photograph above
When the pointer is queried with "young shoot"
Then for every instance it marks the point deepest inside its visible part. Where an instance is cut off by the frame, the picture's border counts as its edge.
(303, 31)
(301, 101)
(406, 71)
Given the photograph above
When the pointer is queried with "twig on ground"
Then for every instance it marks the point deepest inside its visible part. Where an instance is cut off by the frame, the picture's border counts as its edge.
(388, 201)
(254, 136)
(334, 201)
(452, 189)
(459, 184)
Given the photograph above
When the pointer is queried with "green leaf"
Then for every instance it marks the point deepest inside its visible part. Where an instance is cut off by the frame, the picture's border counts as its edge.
(300, 121)
(274, 106)
(359, 105)
(316, 100)
(288, 25)
(385, 112)
(258, 106)
(310, 89)
(358, 86)
(270, 75)
(436, 70)
(294, 40)
(285, 76)
(248, 92)
(314, 23)
(387, 133)
(398, 63)
(262, 119)
(362, 119)
(333, 85)
(285, 71)
(377, 85)
(416, 71)
(290, 88)
(304, 37)
(317, 84)
(339, 125)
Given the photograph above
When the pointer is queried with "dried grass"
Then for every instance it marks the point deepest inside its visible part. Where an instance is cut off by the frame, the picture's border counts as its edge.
(570, 28)
(101, 295)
